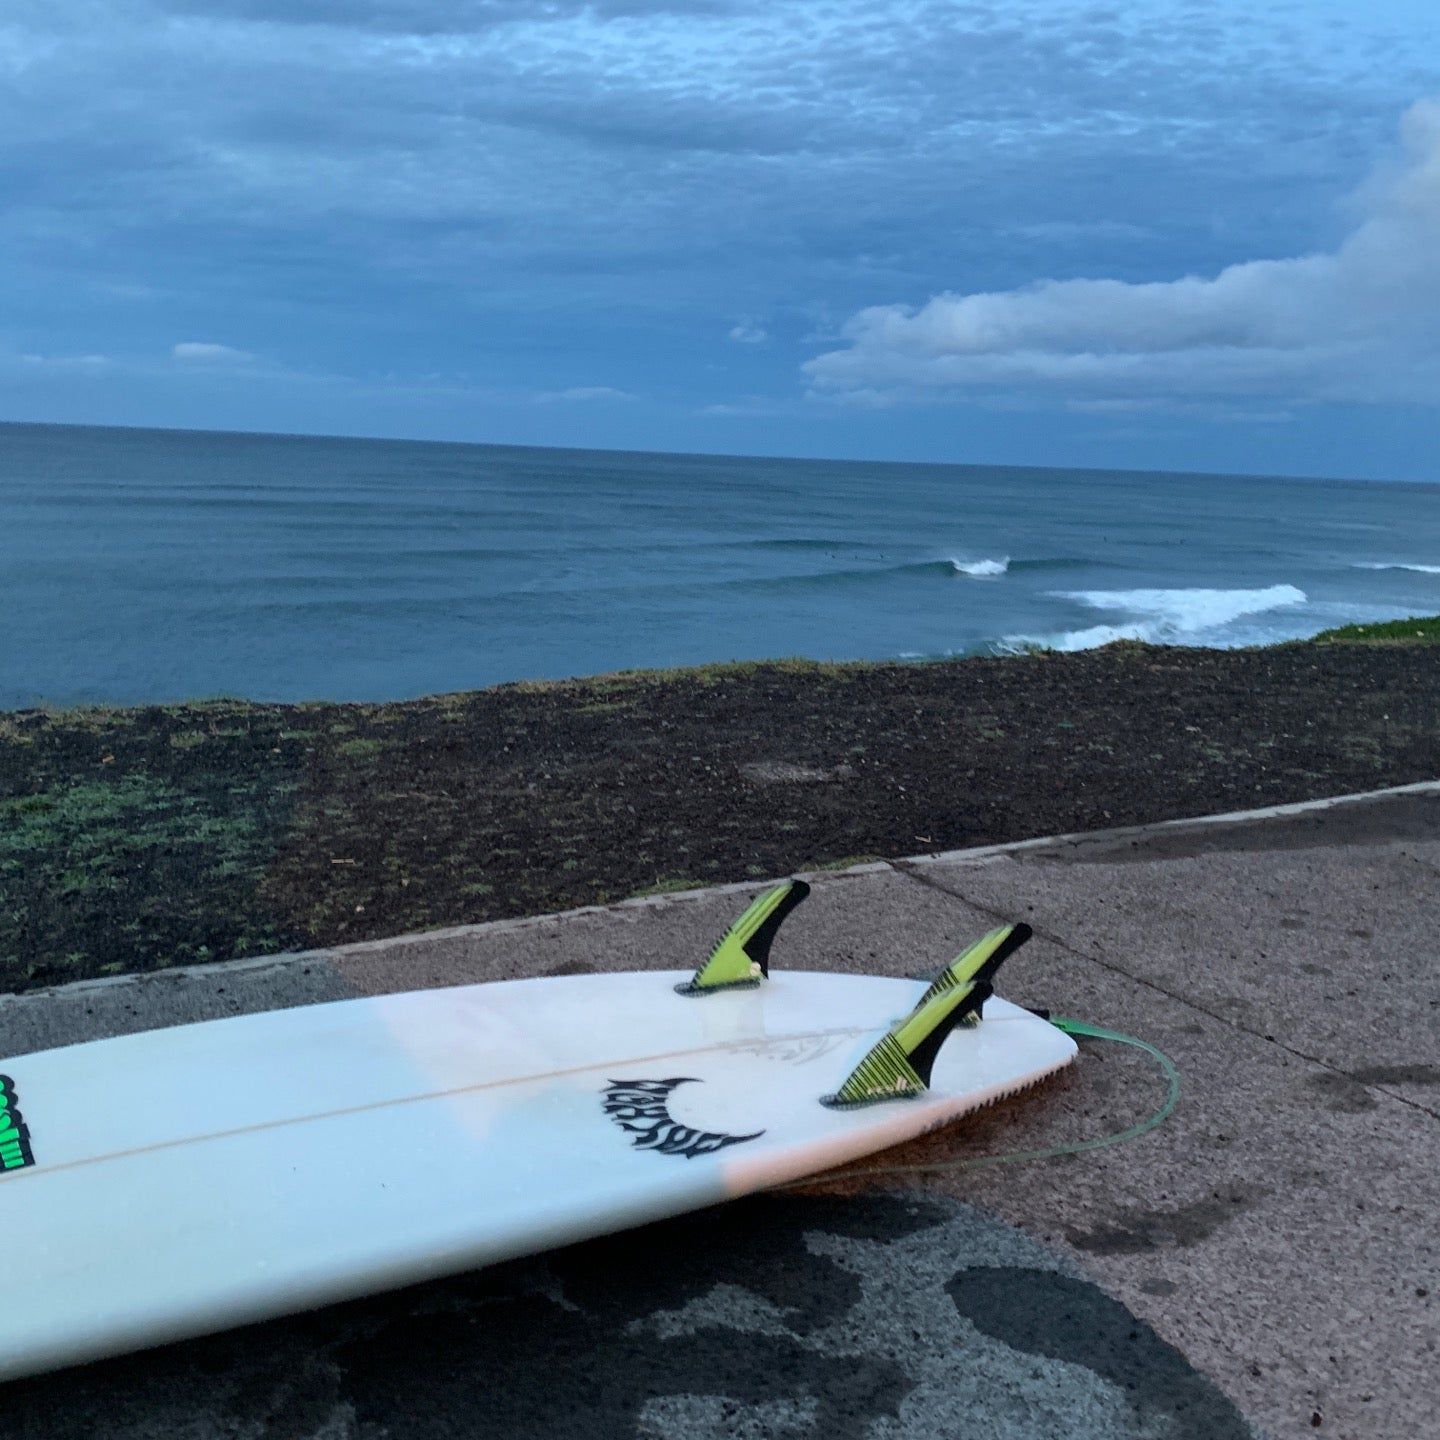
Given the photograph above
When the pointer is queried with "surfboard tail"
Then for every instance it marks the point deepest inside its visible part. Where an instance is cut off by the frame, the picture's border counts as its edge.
(741, 957)
(899, 1066)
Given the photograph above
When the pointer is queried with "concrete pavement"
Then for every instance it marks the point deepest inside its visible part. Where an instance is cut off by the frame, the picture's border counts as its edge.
(1264, 1261)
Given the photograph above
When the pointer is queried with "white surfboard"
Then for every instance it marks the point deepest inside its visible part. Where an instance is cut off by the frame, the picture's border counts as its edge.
(182, 1181)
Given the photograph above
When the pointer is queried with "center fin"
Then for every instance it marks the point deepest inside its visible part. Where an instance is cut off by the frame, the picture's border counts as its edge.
(980, 961)
(742, 956)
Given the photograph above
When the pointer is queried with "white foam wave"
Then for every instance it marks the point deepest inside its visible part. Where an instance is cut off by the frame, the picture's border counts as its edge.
(981, 568)
(1168, 617)
(1189, 610)
(1396, 565)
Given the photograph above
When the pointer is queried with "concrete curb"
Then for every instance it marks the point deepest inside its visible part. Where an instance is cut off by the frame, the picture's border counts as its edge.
(976, 855)
(979, 854)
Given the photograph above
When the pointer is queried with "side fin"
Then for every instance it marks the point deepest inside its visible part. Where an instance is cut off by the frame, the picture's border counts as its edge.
(981, 961)
(742, 956)
(899, 1066)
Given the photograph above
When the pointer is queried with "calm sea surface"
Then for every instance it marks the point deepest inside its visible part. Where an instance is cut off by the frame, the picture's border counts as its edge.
(147, 565)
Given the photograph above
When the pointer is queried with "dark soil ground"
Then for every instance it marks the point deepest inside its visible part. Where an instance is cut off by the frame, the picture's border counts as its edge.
(144, 838)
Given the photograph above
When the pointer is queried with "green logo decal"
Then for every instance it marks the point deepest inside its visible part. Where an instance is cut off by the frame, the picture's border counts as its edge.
(15, 1152)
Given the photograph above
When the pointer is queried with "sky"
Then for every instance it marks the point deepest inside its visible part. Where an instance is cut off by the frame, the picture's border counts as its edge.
(1168, 234)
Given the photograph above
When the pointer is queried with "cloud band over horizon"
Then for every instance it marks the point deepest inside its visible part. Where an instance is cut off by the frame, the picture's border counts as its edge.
(1044, 231)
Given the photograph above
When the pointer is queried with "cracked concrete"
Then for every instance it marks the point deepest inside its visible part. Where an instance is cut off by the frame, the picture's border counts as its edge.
(1265, 1259)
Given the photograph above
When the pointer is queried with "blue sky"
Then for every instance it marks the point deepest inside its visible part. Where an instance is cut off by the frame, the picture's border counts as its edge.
(1157, 234)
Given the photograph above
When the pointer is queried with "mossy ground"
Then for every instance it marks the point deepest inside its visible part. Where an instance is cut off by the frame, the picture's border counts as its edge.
(145, 838)
(1416, 630)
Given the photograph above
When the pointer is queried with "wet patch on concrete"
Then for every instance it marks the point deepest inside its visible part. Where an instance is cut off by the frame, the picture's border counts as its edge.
(1346, 1092)
(1074, 1321)
(794, 1316)
(1135, 1230)
(1340, 1092)
(544, 1371)
(1397, 1075)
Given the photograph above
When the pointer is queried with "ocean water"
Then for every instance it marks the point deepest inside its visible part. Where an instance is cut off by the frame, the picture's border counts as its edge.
(146, 565)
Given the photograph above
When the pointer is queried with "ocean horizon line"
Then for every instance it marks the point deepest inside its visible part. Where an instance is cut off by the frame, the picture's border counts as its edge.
(1297, 477)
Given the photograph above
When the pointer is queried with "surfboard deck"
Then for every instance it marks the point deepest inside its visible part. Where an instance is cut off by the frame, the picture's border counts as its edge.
(183, 1181)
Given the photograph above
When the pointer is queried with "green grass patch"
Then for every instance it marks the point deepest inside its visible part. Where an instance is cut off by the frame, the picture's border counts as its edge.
(702, 676)
(131, 871)
(1416, 630)
(667, 887)
(360, 749)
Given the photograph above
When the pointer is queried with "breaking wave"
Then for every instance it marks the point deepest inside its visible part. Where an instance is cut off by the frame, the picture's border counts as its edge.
(1172, 617)
(1007, 566)
(872, 574)
(1396, 565)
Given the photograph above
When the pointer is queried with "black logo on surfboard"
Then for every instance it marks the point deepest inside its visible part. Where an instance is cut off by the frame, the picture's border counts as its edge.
(640, 1108)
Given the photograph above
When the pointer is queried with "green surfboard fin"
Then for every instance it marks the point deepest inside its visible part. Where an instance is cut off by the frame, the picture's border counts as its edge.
(899, 1066)
(980, 961)
(742, 956)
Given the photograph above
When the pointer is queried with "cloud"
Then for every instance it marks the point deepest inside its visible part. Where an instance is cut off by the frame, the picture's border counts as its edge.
(748, 334)
(755, 407)
(583, 393)
(208, 352)
(65, 362)
(438, 17)
(1359, 322)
